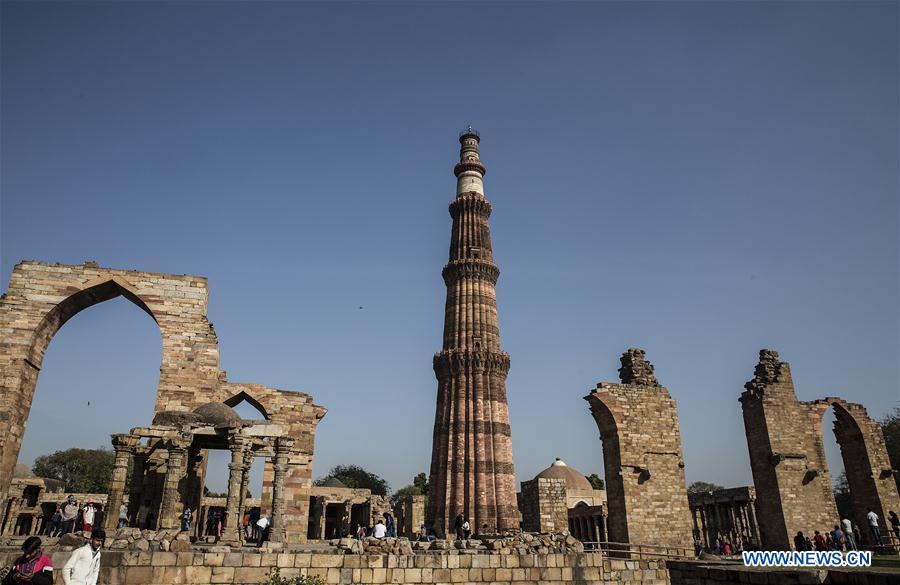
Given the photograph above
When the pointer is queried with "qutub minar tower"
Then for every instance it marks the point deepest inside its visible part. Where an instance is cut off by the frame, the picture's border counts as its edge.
(471, 458)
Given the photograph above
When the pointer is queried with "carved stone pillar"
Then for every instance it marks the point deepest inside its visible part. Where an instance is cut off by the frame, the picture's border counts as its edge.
(169, 508)
(245, 484)
(123, 445)
(231, 534)
(136, 492)
(280, 465)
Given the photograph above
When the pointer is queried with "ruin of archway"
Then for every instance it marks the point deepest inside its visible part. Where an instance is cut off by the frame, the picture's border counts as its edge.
(41, 297)
(646, 492)
(787, 456)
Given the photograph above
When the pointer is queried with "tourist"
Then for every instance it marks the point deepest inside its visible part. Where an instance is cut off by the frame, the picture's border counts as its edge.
(245, 524)
(837, 537)
(51, 528)
(895, 526)
(360, 532)
(263, 526)
(819, 541)
(253, 519)
(83, 567)
(380, 530)
(467, 529)
(458, 525)
(872, 517)
(391, 526)
(186, 518)
(848, 534)
(123, 515)
(99, 515)
(69, 513)
(800, 542)
(87, 518)
(727, 549)
(33, 567)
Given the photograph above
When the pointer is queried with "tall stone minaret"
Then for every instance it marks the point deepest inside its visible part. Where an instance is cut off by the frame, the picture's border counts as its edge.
(471, 456)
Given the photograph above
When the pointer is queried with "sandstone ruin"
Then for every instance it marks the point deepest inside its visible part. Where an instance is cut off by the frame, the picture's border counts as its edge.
(787, 456)
(41, 297)
(642, 457)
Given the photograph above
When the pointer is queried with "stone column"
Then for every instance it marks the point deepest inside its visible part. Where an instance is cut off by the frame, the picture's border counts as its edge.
(169, 508)
(135, 493)
(603, 526)
(231, 534)
(123, 445)
(754, 525)
(280, 465)
(245, 483)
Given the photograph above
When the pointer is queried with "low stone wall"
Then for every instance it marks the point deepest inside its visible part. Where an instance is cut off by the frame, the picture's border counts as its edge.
(252, 567)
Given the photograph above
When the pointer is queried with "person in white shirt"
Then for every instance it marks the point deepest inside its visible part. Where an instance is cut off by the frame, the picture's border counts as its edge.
(83, 567)
(263, 525)
(873, 526)
(848, 533)
(379, 530)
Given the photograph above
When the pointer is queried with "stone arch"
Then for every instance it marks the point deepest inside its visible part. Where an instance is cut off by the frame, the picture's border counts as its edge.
(602, 410)
(645, 487)
(868, 469)
(42, 297)
(243, 396)
(787, 457)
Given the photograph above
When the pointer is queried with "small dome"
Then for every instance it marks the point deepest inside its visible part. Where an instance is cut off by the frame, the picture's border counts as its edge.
(333, 482)
(22, 471)
(559, 470)
(216, 413)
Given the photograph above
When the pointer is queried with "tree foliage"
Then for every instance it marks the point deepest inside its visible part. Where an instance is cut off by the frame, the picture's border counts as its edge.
(890, 426)
(842, 496)
(86, 471)
(596, 481)
(421, 482)
(409, 490)
(354, 476)
(702, 487)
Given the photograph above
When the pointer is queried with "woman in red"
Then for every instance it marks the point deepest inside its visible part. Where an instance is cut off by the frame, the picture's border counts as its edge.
(33, 567)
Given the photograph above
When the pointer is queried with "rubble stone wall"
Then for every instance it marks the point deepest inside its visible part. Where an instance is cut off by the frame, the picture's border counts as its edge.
(41, 297)
(207, 568)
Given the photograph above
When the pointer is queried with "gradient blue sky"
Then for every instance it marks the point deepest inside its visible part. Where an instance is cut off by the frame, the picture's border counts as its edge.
(698, 179)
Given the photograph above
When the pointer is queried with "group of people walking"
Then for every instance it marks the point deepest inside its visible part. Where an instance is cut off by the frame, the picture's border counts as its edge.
(33, 567)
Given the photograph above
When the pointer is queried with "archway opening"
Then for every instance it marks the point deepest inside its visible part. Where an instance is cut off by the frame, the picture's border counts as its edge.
(616, 529)
(98, 377)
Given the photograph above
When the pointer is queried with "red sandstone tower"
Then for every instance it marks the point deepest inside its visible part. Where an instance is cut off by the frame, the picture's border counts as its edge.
(471, 457)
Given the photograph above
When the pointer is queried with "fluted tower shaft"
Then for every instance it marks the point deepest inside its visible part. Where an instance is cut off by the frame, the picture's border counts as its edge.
(472, 469)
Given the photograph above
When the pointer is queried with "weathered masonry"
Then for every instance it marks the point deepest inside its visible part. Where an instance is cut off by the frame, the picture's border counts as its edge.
(40, 299)
(472, 470)
(642, 457)
(787, 457)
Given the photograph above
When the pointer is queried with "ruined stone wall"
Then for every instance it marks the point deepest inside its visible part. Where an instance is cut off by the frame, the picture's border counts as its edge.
(199, 568)
(41, 297)
(787, 457)
(543, 505)
(409, 514)
(643, 460)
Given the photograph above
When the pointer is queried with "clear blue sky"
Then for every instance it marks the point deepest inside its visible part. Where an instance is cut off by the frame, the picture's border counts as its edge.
(698, 179)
